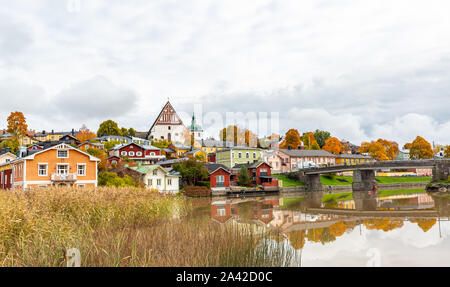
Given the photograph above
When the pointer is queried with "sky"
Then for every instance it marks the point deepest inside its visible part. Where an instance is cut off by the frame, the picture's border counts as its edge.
(362, 70)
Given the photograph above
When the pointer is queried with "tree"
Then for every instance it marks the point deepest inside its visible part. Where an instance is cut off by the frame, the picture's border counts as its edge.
(124, 132)
(108, 128)
(131, 132)
(112, 179)
(375, 149)
(391, 148)
(161, 143)
(420, 149)
(321, 137)
(85, 134)
(17, 124)
(315, 146)
(447, 151)
(191, 170)
(407, 146)
(101, 155)
(291, 140)
(333, 145)
(244, 176)
(308, 140)
(12, 144)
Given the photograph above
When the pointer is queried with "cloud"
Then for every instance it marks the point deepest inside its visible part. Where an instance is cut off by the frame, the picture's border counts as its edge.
(96, 98)
(15, 38)
(405, 128)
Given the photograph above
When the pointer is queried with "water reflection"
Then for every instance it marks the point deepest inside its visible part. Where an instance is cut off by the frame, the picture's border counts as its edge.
(321, 220)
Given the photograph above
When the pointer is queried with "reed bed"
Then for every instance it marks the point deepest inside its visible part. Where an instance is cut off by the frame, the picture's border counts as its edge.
(123, 227)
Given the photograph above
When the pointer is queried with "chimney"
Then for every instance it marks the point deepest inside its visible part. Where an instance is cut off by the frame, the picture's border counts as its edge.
(53, 132)
(43, 132)
(73, 132)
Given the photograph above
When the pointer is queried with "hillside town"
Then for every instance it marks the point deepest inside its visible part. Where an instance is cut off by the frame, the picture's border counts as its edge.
(171, 156)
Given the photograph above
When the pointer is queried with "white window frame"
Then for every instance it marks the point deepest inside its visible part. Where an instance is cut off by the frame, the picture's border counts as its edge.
(220, 178)
(57, 153)
(62, 164)
(131, 153)
(84, 169)
(81, 186)
(158, 182)
(124, 153)
(46, 169)
(169, 181)
(139, 153)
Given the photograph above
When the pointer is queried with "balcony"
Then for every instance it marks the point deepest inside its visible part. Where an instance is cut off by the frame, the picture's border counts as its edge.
(70, 177)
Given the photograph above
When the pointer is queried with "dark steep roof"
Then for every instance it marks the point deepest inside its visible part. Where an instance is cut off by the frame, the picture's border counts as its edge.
(211, 167)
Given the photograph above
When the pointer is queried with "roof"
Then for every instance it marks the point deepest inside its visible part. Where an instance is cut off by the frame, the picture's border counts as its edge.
(144, 169)
(306, 152)
(216, 143)
(354, 156)
(159, 115)
(212, 167)
(239, 147)
(172, 161)
(147, 147)
(194, 151)
(63, 145)
(180, 146)
(250, 165)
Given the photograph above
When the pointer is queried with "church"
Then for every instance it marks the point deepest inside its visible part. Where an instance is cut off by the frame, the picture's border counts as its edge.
(168, 126)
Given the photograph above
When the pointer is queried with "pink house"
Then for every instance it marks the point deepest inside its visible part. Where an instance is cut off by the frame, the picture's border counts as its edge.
(285, 160)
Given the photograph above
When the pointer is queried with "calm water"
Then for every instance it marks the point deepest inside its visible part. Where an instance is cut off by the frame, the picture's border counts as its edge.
(399, 230)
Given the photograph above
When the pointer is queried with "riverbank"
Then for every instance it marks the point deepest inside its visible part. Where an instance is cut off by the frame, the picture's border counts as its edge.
(121, 227)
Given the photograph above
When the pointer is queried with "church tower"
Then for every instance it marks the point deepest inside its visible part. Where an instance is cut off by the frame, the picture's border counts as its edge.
(168, 126)
(196, 130)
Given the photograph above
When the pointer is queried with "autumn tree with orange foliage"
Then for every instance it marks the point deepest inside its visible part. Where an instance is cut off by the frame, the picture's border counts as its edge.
(407, 146)
(85, 134)
(333, 145)
(384, 224)
(17, 124)
(338, 229)
(420, 149)
(391, 148)
(291, 140)
(297, 239)
(376, 149)
(424, 224)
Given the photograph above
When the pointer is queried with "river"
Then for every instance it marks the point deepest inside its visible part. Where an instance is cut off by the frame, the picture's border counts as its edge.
(409, 228)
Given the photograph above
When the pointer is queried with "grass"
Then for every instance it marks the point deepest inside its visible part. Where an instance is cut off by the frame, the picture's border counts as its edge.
(349, 195)
(347, 180)
(289, 202)
(122, 227)
(287, 182)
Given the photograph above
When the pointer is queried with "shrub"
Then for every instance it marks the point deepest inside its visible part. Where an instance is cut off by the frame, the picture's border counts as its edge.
(244, 176)
(196, 191)
(112, 179)
(204, 183)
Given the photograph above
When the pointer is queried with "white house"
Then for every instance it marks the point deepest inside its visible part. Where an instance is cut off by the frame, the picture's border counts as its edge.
(159, 178)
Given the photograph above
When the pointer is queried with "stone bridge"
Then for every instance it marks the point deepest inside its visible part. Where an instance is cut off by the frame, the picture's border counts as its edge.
(364, 174)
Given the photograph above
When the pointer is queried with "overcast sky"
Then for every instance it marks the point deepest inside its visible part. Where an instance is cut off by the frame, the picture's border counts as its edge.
(360, 69)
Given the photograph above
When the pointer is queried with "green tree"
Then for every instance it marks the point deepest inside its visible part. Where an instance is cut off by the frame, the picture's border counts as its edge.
(109, 145)
(192, 171)
(244, 176)
(12, 144)
(108, 128)
(131, 132)
(321, 137)
(162, 143)
(124, 132)
(112, 179)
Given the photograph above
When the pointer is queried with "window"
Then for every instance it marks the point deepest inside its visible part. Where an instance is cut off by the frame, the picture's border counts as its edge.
(42, 169)
(63, 154)
(131, 153)
(240, 155)
(8, 160)
(81, 169)
(139, 153)
(221, 211)
(150, 182)
(158, 182)
(62, 169)
(42, 186)
(247, 155)
(124, 153)
(169, 181)
(254, 154)
(152, 154)
(80, 186)
(87, 146)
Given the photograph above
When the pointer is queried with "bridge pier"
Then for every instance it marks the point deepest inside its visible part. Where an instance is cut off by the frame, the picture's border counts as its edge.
(441, 170)
(312, 181)
(363, 180)
(365, 201)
